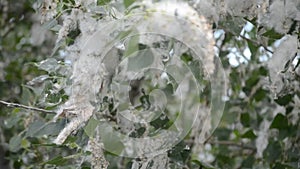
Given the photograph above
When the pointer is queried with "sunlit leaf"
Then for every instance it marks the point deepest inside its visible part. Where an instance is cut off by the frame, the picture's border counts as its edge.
(89, 129)
(102, 2)
(127, 3)
(25, 143)
(272, 34)
(133, 46)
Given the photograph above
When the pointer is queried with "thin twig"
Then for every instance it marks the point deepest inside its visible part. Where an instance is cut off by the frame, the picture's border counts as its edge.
(247, 39)
(255, 42)
(26, 107)
(10, 28)
(298, 63)
(230, 143)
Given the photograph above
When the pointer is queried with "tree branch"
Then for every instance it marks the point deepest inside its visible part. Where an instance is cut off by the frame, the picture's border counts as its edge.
(26, 107)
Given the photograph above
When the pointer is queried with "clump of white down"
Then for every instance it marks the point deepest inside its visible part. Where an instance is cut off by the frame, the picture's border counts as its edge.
(91, 71)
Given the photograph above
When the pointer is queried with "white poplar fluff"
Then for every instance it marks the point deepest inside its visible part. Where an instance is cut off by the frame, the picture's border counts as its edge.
(284, 53)
(95, 60)
(90, 71)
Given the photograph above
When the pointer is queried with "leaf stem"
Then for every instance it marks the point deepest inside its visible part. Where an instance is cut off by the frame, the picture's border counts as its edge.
(26, 107)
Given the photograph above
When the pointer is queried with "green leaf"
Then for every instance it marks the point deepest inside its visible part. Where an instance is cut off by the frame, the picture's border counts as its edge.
(203, 164)
(284, 100)
(72, 35)
(89, 129)
(127, 3)
(133, 46)
(27, 95)
(245, 119)
(143, 59)
(15, 143)
(248, 162)
(25, 143)
(252, 80)
(281, 166)
(33, 128)
(260, 94)
(280, 122)
(111, 140)
(249, 134)
(273, 151)
(263, 71)
(253, 48)
(124, 34)
(13, 120)
(50, 24)
(224, 59)
(229, 116)
(194, 67)
(224, 160)
(102, 2)
(56, 28)
(138, 133)
(222, 133)
(235, 80)
(234, 24)
(179, 153)
(50, 65)
(161, 123)
(236, 133)
(186, 58)
(59, 160)
(272, 34)
(86, 165)
(52, 129)
(40, 128)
